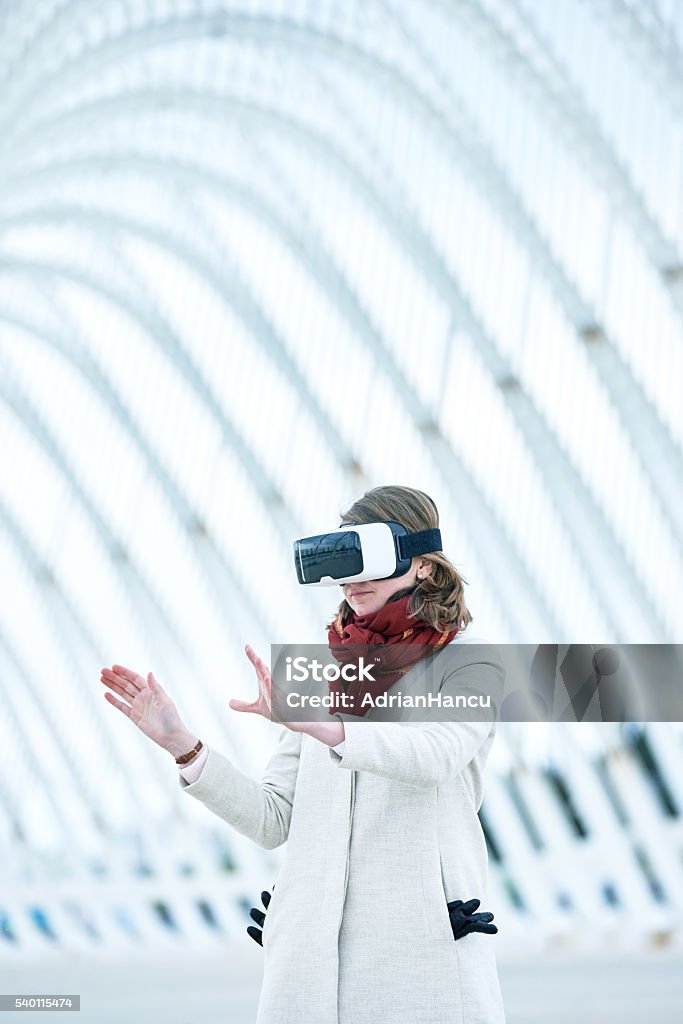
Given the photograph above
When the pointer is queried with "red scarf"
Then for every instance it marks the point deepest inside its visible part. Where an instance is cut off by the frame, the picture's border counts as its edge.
(383, 638)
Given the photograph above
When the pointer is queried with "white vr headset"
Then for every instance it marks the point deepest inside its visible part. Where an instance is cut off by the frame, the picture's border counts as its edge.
(357, 552)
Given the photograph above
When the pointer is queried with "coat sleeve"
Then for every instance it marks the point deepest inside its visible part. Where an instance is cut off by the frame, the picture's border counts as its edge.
(430, 753)
(259, 810)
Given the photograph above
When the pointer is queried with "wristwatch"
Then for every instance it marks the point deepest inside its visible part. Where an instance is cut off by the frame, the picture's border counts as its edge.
(188, 757)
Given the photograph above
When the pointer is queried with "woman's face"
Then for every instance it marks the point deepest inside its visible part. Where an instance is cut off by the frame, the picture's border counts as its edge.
(368, 597)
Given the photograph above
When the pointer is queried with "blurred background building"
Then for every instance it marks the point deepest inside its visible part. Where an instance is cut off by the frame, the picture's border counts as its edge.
(254, 259)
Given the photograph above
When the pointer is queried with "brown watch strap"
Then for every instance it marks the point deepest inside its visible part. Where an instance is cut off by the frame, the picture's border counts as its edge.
(188, 757)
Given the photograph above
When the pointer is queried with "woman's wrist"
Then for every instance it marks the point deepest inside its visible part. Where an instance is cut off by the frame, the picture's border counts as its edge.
(182, 744)
(330, 733)
(192, 759)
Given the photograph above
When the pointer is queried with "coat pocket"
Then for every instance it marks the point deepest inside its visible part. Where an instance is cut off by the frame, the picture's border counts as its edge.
(434, 894)
(271, 913)
(265, 931)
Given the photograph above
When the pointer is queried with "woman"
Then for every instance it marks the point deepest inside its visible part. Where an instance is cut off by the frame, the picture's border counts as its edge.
(380, 817)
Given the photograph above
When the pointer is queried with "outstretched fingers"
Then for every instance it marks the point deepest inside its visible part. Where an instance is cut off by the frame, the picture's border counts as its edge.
(118, 704)
(263, 702)
(138, 681)
(121, 681)
(118, 689)
(244, 705)
(261, 668)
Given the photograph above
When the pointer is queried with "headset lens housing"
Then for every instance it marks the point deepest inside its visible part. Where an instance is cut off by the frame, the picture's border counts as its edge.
(336, 555)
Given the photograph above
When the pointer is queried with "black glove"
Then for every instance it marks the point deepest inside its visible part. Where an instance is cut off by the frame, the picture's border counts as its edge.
(257, 915)
(464, 920)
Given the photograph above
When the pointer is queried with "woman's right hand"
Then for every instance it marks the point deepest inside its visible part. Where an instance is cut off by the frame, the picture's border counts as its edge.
(149, 707)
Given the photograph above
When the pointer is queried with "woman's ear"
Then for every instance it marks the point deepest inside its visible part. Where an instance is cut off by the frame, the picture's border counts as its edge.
(423, 568)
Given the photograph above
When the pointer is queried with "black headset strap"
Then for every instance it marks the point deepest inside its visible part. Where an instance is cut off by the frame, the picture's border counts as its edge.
(411, 544)
(420, 543)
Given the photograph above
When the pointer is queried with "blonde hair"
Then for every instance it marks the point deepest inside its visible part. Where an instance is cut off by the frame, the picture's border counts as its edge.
(439, 599)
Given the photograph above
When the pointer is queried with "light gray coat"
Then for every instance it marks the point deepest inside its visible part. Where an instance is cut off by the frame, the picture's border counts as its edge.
(378, 841)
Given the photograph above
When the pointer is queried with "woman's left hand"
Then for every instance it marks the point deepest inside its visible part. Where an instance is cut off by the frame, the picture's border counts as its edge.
(263, 704)
(464, 920)
(327, 732)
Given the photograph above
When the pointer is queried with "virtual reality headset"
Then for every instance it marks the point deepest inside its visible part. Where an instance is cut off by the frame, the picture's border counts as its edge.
(357, 552)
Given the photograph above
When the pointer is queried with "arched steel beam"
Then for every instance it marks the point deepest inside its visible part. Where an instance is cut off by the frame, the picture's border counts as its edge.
(650, 440)
(69, 626)
(449, 466)
(292, 34)
(238, 297)
(322, 268)
(19, 728)
(568, 115)
(226, 585)
(462, 139)
(23, 60)
(611, 570)
(215, 565)
(81, 361)
(79, 771)
(460, 495)
(657, 53)
(155, 326)
(659, 456)
(61, 611)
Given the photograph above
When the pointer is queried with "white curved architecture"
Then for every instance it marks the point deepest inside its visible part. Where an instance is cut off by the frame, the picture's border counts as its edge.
(255, 258)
